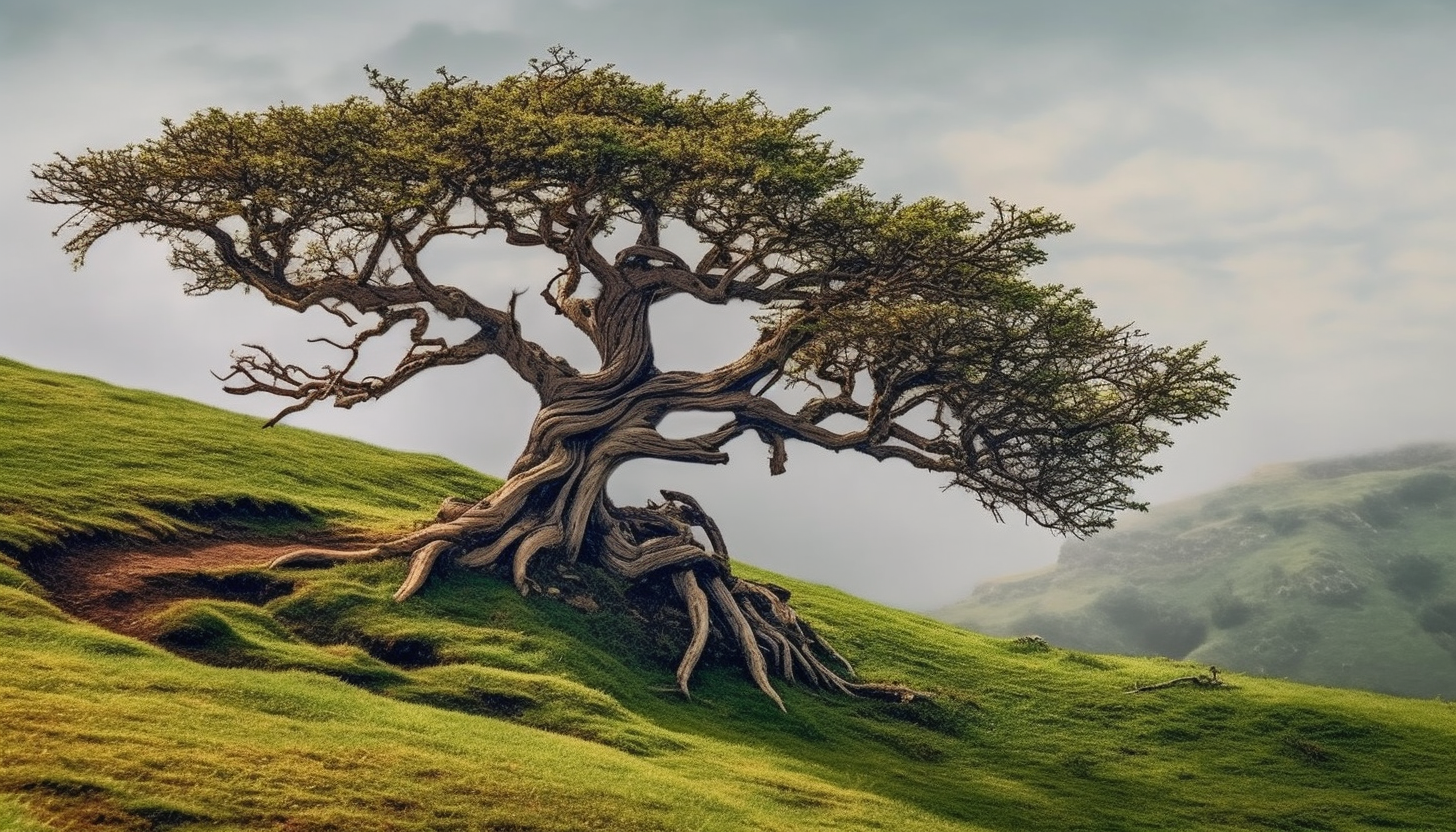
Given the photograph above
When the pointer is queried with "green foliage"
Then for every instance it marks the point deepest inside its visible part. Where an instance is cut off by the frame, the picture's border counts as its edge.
(561, 124)
(1043, 407)
(311, 180)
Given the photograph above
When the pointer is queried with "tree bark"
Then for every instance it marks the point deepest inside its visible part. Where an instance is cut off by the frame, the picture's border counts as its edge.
(554, 505)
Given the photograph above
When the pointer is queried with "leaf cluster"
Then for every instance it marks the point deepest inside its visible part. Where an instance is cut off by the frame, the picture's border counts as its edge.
(562, 133)
(1017, 390)
(310, 192)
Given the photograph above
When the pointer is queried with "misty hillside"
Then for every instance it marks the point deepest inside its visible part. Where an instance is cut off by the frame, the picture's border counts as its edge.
(1337, 572)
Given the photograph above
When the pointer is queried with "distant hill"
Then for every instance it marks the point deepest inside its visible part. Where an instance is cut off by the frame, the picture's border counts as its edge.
(1336, 571)
(221, 695)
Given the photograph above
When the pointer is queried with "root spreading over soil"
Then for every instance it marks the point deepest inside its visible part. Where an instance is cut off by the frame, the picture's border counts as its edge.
(123, 587)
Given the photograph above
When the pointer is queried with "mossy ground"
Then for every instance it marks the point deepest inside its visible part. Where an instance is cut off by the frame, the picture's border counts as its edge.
(470, 707)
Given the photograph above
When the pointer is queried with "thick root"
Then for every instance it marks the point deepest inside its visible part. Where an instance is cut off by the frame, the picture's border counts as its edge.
(697, 605)
(755, 617)
(421, 562)
(324, 557)
(743, 632)
(635, 544)
(541, 538)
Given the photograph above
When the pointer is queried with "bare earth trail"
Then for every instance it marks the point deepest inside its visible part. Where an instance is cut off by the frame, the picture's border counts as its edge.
(120, 586)
(123, 586)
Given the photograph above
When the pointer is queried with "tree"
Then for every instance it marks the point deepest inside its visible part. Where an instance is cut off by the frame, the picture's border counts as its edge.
(910, 322)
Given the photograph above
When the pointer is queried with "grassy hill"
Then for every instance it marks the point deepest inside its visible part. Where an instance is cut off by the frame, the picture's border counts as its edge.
(323, 705)
(1338, 572)
(84, 460)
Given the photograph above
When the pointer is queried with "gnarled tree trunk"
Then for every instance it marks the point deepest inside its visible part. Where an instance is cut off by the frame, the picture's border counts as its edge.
(910, 320)
(554, 504)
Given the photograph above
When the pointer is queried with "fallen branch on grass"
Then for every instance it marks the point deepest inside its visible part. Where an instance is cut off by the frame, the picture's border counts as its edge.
(1209, 680)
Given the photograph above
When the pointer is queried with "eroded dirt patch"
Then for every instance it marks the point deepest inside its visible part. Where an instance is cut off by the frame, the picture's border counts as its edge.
(120, 586)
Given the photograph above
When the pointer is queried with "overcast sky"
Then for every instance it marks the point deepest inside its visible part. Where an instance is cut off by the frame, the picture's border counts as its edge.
(1276, 178)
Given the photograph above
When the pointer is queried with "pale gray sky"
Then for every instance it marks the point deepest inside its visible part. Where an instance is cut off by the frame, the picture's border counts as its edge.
(1274, 177)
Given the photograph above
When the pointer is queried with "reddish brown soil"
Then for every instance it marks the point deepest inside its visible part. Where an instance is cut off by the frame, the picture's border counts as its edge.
(120, 586)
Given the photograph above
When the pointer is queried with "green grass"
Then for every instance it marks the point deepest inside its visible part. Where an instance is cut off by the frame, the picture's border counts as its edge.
(510, 713)
(84, 459)
(1338, 572)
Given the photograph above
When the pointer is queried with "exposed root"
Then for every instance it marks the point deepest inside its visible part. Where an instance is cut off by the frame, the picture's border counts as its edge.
(487, 555)
(696, 602)
(541, 538)
(421, 562)
(324, 557)
(635, 544)
(740, 628)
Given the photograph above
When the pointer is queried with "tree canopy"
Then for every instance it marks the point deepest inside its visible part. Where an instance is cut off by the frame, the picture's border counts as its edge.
(912, 324)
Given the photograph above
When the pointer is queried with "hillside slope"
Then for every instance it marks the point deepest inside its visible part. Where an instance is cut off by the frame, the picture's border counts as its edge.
(1338, 572)
(307, 700)
(86, 460)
